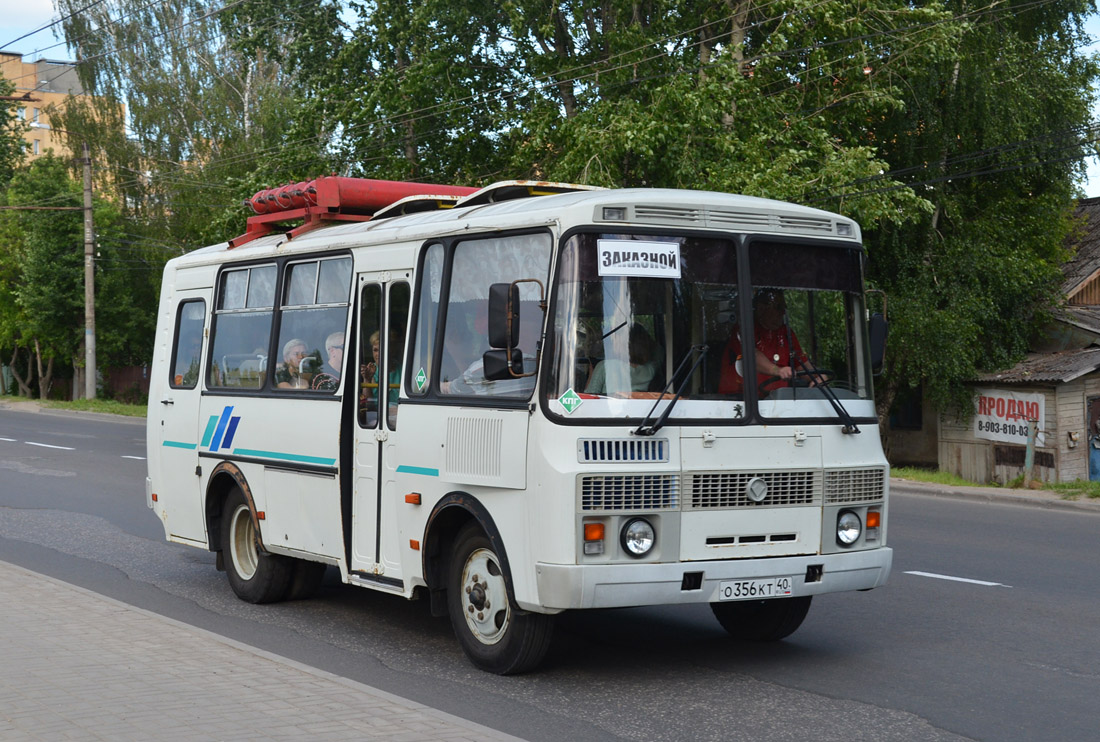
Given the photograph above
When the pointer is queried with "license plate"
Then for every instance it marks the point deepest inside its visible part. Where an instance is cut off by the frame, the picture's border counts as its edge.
(776, 587)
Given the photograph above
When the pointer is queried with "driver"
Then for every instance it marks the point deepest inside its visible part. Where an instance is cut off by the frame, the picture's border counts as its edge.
(774, 342)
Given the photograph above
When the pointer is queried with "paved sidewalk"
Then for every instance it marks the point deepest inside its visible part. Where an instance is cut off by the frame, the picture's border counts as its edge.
(78, 665)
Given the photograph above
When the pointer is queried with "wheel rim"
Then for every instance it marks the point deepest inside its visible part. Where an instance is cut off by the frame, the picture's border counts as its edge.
(242, 544)
(485, 597)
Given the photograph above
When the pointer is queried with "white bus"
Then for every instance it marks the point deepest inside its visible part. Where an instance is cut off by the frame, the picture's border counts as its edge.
(523, 400)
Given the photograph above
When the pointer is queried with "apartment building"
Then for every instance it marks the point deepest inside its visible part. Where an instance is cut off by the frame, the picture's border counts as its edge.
(38, 85)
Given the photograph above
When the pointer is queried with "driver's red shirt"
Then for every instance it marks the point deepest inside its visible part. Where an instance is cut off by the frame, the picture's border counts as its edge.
(772, 343)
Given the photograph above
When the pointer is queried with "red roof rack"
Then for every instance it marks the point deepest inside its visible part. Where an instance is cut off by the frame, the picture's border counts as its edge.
(329, 199)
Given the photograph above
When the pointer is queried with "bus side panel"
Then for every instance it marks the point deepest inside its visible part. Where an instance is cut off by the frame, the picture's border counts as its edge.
(287, 449)
(477, 451)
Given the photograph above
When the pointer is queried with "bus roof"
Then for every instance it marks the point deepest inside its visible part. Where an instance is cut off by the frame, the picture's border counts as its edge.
(627, 208)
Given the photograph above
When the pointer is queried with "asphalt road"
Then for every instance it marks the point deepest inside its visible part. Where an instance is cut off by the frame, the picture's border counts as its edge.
(987, 629)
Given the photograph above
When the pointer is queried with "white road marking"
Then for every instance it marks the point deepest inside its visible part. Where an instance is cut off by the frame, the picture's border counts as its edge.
(958, 579)
(136, 458)
(47, 445)
(9, 440)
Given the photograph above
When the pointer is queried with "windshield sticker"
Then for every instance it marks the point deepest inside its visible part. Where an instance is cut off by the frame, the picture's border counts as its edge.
(637, 258)
(570, 401)
(421, 379)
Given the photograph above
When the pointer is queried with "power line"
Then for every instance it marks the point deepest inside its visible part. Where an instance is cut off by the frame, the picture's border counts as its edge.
(89, 6)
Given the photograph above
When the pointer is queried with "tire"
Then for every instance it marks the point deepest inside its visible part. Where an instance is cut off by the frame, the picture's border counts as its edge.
(306, 579)
(255, 577)
(493, 633)
(762, 620)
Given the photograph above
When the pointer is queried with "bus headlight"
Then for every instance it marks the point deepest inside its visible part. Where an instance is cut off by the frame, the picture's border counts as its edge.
(848, 528)
(638, 537)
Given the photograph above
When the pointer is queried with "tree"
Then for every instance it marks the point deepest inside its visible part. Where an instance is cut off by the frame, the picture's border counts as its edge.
(49, 292)
(210, 93)
(42, 277)
(995, 138)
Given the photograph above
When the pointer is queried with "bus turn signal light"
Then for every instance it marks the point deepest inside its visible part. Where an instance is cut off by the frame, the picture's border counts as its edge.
(872, 519)
(413, 498)
(593, 538)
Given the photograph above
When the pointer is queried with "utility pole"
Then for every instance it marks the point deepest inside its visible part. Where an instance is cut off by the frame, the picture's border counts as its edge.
(89, 282)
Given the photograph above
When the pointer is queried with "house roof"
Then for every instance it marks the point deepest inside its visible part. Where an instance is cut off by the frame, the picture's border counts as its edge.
(1086, 261)
(1048, 368)
(1085, 317)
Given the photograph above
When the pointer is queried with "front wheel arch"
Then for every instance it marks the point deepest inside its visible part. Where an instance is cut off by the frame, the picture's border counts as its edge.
(453, 511)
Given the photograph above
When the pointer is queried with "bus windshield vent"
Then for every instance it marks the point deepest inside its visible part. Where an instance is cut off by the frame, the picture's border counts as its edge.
(805, 224)
(855, 485)
(624, 451)
(645, 213)
(630, 492)
(757, 219)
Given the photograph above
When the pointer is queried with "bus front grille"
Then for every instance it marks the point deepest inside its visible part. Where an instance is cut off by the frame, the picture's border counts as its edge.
(723, 490)
(630, 492)
(855, 485)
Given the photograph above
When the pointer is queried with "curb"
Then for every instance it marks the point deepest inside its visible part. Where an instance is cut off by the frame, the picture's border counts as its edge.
(1027, 498)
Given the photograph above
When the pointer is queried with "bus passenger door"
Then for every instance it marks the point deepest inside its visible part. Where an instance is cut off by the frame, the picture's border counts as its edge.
(177, 407)
(383, 307)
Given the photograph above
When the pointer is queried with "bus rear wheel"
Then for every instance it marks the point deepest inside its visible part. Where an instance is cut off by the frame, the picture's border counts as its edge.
(762, 620)
(255, 576)
(495, 636)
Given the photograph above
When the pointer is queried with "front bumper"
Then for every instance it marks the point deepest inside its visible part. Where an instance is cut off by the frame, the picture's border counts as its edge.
(567, 586)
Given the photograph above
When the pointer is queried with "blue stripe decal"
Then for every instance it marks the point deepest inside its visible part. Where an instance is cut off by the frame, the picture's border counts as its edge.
(179, 444)
(220, 431)
(405, 469)
(230, 432)
(284, 456)
(206, 436)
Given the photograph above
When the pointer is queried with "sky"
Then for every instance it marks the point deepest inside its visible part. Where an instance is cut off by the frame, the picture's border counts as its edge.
(23, 16)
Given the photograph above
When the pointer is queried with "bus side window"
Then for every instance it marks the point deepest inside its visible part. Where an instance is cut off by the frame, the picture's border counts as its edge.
(188, 344)
(370, 339)
(242, 327)
(397, 314)
(313, 315)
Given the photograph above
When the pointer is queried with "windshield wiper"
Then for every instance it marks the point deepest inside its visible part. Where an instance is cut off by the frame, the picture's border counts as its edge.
(830, 395)
(644, 429)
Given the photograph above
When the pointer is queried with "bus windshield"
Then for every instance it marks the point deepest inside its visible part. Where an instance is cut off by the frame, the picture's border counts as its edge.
(638, 315)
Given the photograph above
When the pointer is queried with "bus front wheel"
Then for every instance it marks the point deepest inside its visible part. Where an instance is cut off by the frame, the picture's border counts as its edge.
(255, 576)
(493, 633)
(762, 620)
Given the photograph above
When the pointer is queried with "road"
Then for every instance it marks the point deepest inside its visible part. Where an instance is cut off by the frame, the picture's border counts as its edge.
(1005, 650)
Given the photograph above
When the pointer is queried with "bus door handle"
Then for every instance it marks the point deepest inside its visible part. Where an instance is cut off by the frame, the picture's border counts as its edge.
(167, 400)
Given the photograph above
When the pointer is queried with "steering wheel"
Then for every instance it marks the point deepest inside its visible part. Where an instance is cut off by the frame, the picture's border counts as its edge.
(325, 381)
(800, 379)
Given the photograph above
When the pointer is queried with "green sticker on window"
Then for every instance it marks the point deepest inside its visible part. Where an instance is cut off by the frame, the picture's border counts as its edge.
(570, 401)
(421, 380)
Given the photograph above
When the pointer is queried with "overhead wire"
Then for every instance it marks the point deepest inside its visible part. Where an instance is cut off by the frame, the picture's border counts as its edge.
(550, 79)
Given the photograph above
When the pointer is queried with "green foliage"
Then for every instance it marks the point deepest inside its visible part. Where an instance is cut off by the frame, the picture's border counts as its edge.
(953, 133)
(42, 272)
(993, 139)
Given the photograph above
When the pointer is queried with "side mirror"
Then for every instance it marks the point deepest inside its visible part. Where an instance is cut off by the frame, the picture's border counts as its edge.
(503, 315)
(497, 365)
(877, 328)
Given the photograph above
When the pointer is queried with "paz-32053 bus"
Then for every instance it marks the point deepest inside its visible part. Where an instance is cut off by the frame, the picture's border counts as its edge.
(525, 399)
